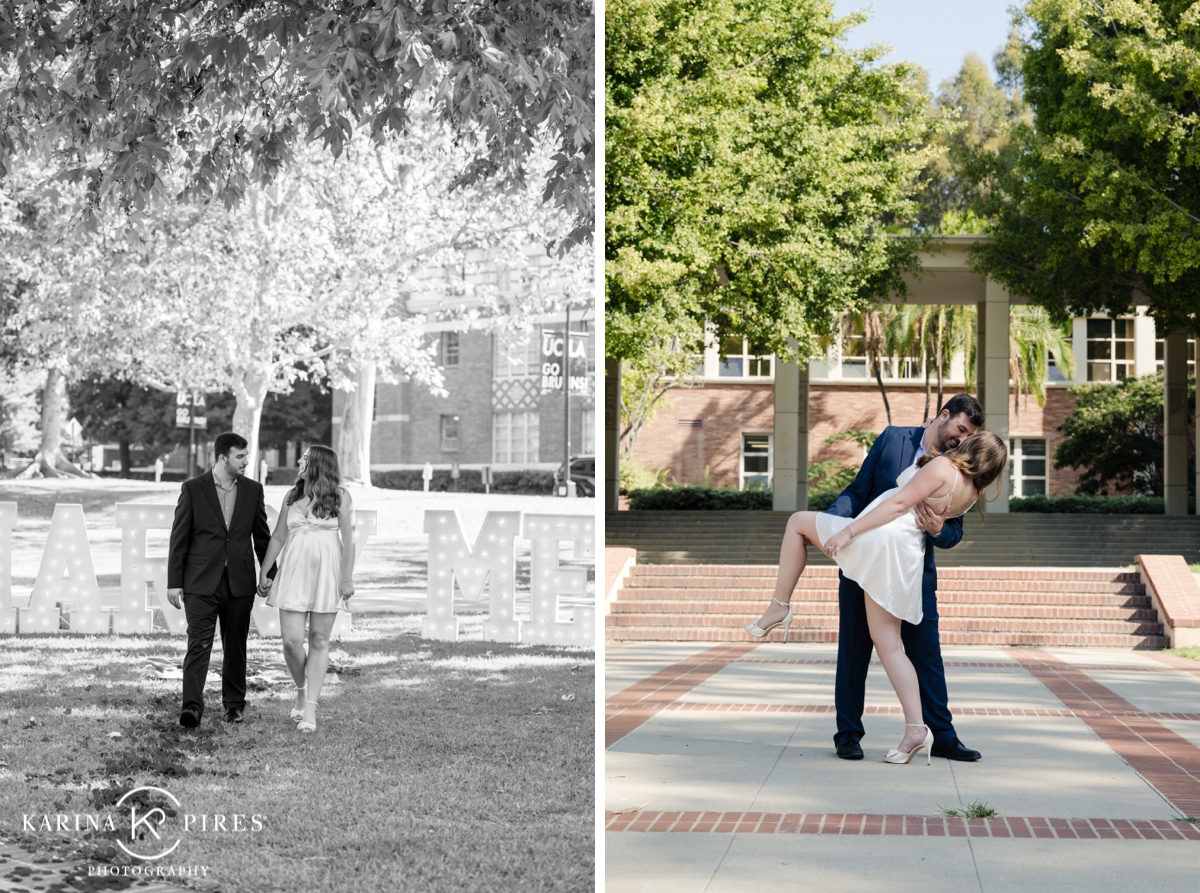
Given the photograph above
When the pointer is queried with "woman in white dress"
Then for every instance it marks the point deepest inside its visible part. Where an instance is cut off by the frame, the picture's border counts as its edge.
(883, 550)
(314, 541)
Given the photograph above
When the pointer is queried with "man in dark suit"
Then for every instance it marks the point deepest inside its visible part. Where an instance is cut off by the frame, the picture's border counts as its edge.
(894, 451)
(220, 525)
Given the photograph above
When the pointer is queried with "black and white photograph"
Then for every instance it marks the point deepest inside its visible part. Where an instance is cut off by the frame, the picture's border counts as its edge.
(298, 388)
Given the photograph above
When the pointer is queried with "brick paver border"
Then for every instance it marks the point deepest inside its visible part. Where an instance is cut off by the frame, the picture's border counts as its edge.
(1015, 827)
(1167, 761)
(628, 709)
(896, 710)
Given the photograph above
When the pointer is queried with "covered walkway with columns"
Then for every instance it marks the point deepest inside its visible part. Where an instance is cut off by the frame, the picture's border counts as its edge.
(946, 279)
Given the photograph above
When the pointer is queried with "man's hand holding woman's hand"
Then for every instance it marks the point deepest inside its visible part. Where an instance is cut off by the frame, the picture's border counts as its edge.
(264, 587)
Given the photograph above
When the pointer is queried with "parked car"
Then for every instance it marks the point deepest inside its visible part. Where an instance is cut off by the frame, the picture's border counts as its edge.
(583, 473)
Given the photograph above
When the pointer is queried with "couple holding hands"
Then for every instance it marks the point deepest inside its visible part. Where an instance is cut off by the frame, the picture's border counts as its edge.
(909, 496)
(220, 527)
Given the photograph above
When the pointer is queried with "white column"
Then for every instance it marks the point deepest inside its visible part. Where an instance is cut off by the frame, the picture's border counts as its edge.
(790, 477)
(1175, 424)
(1079, 345)
(1143, 343)
(612, 432)
(993, 359)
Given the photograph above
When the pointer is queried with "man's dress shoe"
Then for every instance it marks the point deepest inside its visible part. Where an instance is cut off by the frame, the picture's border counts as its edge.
(233, 715)
(189, 719)
(850, 750)
(954, 750)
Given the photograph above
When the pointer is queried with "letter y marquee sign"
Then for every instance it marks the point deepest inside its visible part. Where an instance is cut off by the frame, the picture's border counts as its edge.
(493, 560)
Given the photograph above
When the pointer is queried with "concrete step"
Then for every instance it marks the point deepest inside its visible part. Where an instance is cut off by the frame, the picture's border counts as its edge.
(948, 637)
(750, 610)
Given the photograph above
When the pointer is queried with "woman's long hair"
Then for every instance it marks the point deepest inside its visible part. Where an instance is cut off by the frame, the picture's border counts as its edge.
(981, 456)
(320, 483)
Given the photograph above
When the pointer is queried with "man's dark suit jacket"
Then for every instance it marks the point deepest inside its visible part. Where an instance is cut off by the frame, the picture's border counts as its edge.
(201, 545)
(892, 453)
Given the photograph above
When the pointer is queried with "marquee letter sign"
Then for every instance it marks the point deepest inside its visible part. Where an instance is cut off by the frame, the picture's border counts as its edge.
(8, 519)
(143, 579)
(549, 579)
(493, 559)
(66, 577)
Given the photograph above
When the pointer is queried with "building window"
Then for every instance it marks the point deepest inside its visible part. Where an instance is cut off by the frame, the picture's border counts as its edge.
(1109, 349)
(517, 356)
(1027, 466)
(589, 432)
(449, 434)
(1191, 356)
(756, 461)
(742, 362)
(449, 349)
(515, 437)
(854, 349)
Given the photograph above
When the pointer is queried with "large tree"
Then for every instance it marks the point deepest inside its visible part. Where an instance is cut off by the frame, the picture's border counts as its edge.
(1095, 206)
(210, 98)
(751, 158)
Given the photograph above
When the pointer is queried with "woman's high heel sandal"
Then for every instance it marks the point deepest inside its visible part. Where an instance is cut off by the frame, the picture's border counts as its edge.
(298, 715)
(758, 631)
(309, 725)
(899, 756)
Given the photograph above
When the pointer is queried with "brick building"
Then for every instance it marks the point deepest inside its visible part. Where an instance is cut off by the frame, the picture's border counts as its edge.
(503, 407)
(496, 411)
(721, 429)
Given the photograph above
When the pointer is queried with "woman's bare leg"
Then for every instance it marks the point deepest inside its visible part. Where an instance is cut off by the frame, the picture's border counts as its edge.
(885, 633)
(292, 627)
(793, 557)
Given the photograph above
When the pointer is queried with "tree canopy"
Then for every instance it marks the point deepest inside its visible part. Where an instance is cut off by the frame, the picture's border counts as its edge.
(1095, 206)
(120, 93)
(750, 160)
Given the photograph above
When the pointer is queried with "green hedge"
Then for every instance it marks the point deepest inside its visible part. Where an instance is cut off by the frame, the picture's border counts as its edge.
(529, 483)
(1088, 505)
(692, 499)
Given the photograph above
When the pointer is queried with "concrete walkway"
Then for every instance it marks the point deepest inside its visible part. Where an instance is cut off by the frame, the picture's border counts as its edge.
(721, 774)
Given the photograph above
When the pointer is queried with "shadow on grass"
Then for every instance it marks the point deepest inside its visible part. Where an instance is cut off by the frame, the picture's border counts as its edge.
(435, 766)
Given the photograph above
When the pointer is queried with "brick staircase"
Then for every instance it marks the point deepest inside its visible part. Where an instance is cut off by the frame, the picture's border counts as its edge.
(1049, 607)
(1016, 540)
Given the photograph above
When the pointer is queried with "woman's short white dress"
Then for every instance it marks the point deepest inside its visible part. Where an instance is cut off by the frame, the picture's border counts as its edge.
(887, 562)
(310, 566)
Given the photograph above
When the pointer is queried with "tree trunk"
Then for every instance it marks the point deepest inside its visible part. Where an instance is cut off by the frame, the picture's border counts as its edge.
(925, 367)
(882, 393)
(354, 436)
(250, 391)
(941, 358)
(50, 461)
(126, 457)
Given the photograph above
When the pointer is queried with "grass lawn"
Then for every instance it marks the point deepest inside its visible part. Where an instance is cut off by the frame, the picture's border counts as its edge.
(1192, 653)
(435, 767)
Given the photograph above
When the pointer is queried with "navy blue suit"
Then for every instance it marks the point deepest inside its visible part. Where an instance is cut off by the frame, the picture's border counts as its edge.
(892, 453)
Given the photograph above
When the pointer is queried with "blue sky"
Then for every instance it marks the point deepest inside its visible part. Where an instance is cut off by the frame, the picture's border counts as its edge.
(936, 34)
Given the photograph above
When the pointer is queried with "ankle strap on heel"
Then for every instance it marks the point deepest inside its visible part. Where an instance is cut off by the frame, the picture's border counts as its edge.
(778, 602)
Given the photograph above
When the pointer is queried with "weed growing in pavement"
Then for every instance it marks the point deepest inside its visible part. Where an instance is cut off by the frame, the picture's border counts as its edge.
(976, 810)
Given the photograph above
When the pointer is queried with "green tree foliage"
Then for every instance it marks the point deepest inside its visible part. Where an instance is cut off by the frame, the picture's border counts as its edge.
(110, 409)
(1114, 436)
(750, 161)
(220, 93)
(985, 113)
(1095, 207)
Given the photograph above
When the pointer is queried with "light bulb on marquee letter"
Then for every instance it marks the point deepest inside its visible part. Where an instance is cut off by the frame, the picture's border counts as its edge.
(490, 560)
(62, 579)
(138, 570)
(547, 531)
(8, 520)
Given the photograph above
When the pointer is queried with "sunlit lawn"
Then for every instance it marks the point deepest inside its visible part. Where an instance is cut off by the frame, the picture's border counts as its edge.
(1192, 652)
(435, 766)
